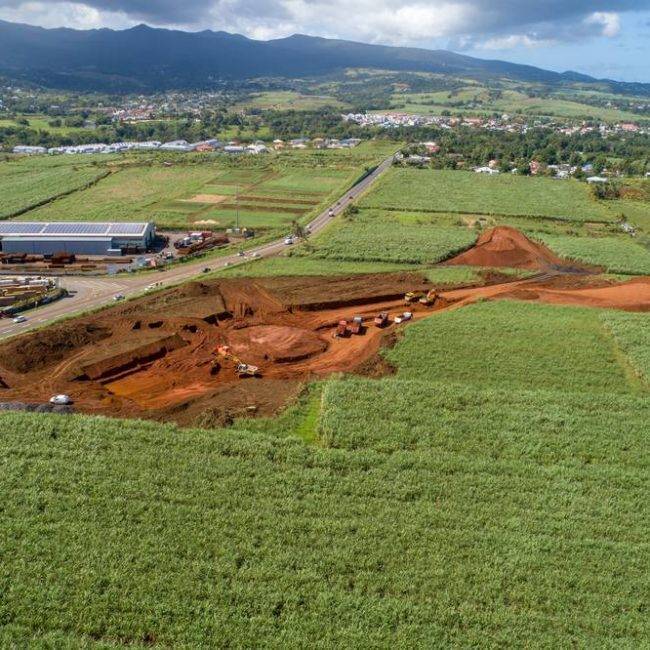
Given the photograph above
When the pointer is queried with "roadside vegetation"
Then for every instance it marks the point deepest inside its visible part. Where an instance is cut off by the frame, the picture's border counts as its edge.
(376, 235)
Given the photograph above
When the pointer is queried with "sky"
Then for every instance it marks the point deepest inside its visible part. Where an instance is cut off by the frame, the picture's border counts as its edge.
(603, 38)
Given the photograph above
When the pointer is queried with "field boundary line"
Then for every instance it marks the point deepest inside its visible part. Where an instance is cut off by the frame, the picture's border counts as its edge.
(485, 214)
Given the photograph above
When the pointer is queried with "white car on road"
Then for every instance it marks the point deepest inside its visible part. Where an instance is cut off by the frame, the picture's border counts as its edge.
(20, 319)
(407, 315)
(61, 399)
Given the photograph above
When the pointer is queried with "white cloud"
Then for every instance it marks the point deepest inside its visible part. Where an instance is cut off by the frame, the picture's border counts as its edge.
(481, 24)
(608, 20)
(513, 41)
(64, 14)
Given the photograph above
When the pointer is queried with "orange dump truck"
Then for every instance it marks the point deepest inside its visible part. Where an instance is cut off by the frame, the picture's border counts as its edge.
(341, 329)
(356, 327)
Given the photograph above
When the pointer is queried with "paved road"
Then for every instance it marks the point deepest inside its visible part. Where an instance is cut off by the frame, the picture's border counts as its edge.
(90, 293)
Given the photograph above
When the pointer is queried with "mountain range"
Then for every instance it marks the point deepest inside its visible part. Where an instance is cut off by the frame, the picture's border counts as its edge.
(148, 59)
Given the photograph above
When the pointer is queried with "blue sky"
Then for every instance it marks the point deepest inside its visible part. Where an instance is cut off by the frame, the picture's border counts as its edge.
(603, 38)
(624, 57)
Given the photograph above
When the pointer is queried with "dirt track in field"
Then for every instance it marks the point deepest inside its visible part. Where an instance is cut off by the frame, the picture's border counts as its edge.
(155, 357)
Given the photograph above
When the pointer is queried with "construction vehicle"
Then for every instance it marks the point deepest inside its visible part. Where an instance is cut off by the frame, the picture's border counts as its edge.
(356, 327)
(412, 296)
(429, 299)
(341, 330)
(407, 315)
(241, 369)
(381, 319)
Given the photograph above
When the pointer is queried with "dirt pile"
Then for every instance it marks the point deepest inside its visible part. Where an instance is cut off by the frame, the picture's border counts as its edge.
(50, 346)
(280, 344)
(503, 246)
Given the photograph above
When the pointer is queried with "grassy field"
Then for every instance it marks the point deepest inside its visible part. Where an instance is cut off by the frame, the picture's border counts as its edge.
(312, 265)
(130, 194)
(283, 100)
(297, 265)
(510, 101)
(467, 192)
(615, 254)
(379, 236)
(266, 192)
(42, 123)
(516, 346)
(28, 182)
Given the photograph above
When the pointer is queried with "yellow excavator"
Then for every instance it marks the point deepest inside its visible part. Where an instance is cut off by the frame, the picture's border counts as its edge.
(426, 299)
(412, 297)
(241, 369)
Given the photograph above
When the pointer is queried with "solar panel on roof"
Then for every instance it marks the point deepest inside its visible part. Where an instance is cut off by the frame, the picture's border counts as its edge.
(13, 227)
(126, 228)
(72, 229)
(75, 229)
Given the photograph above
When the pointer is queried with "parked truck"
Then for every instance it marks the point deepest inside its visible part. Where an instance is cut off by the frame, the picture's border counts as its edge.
(356, 327)
(406, 316)
(341, 329)
(381, 319)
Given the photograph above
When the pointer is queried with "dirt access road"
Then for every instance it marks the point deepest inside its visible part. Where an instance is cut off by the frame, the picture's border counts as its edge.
(87, 294)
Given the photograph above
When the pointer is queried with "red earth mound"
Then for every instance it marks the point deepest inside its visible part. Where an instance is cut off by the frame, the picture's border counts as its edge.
(276, 343)
(507, 247)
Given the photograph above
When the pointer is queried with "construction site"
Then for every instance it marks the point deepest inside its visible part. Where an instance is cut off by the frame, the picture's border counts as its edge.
(237, 347)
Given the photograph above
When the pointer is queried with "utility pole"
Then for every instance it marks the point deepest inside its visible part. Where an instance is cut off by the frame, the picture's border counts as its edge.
(237, 208)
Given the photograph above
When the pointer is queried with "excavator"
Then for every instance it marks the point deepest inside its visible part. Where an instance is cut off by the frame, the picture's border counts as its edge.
(241, 369)
(429, 299)
(426, 299)
(412, 297)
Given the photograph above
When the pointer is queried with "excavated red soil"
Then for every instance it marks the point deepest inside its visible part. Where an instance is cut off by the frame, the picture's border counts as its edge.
(281, 344)
(503, 246)
(156, 358)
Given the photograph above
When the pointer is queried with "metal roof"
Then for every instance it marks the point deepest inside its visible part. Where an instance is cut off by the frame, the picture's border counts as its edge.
(41, 238)
(75, 229)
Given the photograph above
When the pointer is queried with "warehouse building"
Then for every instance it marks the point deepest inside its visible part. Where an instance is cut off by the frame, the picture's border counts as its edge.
(75, 238)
